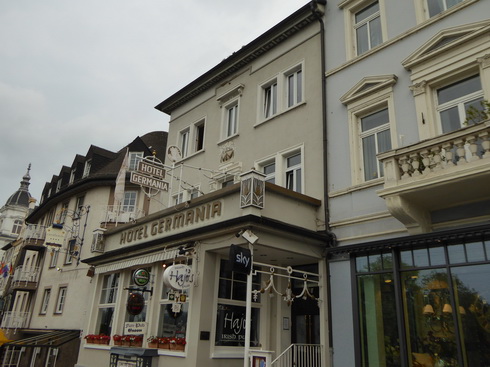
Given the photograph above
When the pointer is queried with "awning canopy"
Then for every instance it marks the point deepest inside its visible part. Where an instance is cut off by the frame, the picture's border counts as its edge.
(140, 260)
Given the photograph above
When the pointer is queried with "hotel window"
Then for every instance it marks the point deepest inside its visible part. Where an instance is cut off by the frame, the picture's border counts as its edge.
(86, 168)
(53, 258)
(375, 138)
(58, 185)
(231, 308)
(107, 303)
(70, 251)
(141, 317)
(63, 212)
(178, 198)
(134, 159)
(270, 99)
(184, 142)
(45, 302)
(129, 202)
(173, 315)
(79, 206)
(454, 101)
(269, 169)
(60, 303)
(231, 119)
(199, 136)
(294, 87)
(293, 172)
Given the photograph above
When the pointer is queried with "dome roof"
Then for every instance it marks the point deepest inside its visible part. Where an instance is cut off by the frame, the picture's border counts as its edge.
(22, 196)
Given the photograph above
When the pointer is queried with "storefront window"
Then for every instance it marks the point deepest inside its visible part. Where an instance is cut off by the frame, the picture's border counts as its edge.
(230, 324)
(439, 308)
(174, 307)
(107, 302)
(377, 312)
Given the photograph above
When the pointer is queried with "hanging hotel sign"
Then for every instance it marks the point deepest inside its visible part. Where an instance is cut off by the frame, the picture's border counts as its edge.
(141, 277)
(150, 174)
(178, 276)
(55, 236)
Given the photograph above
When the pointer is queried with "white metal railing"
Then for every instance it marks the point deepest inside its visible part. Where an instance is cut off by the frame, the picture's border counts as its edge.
(448, 152)
(120, 214)
(26, 274)
(300, 355)
(15, 320)
(34, 232)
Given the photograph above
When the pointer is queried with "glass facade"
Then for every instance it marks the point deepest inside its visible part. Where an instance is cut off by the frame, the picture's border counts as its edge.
(425, 306)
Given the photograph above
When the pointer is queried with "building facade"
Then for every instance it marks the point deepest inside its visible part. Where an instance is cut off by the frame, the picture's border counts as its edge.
(45, 295)
(407, 96)
(244, 168)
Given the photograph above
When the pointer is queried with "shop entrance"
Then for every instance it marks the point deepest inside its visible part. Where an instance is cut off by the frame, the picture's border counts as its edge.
(305, 317)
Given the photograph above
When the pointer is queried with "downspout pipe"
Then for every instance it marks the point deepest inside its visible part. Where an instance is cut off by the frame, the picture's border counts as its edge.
(333, 240)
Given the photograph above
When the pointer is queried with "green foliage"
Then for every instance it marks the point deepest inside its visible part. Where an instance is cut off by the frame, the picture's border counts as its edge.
(475, 115)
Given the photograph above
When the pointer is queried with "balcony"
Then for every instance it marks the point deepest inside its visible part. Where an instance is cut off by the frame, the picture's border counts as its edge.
(115, 214)
(440, 180)
(25, 278)
(34, 235)
(15, 320)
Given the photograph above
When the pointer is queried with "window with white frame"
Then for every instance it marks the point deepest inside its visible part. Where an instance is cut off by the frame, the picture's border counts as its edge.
(173, 313)
(60, 302)
(375, 138)
(58, 185)
(72, 176)
(449, 77)
(294, 87)
(367, 25)
(284, 168)
(178, 198)
(199, 135)
(270, 99)
(454, 100)
(53, 261)
(129, 202)
(45, 301)
(107, 303)
(231, 119)
(141, 317)
(438, 6)
(134, 159)
(184, 142)
(16, 228)
(86, 169)
(232, 297)
(63, 212)
(371, 126)
(70, 251)
(293, 172)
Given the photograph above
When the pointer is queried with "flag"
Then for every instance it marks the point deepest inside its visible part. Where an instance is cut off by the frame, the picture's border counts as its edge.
(121, 180)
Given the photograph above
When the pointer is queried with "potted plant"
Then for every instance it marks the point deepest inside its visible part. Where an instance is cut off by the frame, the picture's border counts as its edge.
(136, 341)
(152, 342)
(126, 340)
(164, 343)
(117, 339)
(180, 344)
(104, 339)
(90, 338)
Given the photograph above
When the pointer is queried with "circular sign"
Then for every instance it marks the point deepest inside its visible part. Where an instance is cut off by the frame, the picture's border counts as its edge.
(136, 303)
(141, 277)
(178, 276)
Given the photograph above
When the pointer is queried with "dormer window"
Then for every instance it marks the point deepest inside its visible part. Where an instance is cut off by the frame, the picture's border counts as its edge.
(134, 159)
(86, 169)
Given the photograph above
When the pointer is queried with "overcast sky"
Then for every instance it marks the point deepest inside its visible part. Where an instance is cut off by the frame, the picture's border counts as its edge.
(76, 73)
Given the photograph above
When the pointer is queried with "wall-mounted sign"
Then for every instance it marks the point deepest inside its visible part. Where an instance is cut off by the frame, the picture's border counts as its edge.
(136, 303)
(178, 276)
(148, 181)
(135, 328)
(55, 236)
(141, 277)
(240, 259)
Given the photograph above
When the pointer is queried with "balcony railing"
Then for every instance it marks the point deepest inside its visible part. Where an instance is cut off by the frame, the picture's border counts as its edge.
(34, 232)
(120, 214)
(300, 355)
(26, 275)
(449, 153)
(15, 320)
(424, 180)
